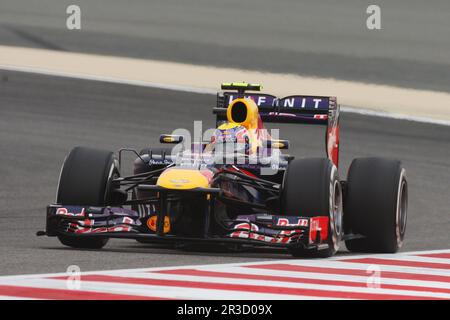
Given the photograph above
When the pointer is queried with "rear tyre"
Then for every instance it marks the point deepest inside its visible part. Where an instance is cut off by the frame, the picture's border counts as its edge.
(376, 205)
(311, 188)
(85, 180)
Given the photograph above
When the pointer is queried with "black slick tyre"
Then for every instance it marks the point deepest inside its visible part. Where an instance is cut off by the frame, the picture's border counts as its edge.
(85, 181)
(376, 205)
(311, 188)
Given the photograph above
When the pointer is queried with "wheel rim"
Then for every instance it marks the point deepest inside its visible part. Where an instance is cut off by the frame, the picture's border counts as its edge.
(402, 208)
(335, 211)
(337, 208)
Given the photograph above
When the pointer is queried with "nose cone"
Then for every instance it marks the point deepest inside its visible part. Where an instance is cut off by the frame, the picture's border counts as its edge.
(182, 179)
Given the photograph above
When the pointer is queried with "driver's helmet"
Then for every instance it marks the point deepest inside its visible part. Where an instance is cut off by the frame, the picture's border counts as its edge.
(231, 138)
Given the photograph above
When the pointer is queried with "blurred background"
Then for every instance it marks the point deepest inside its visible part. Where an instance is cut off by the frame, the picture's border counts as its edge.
(325, 38)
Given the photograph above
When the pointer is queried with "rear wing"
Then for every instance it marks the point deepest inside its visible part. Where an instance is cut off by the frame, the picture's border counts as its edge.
(302, 109)
(291, 109)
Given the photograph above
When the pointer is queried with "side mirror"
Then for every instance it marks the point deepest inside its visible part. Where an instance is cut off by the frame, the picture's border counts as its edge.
(170, 138)
(276, 144)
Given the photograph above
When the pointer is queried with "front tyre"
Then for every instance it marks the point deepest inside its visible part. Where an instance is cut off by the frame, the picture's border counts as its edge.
(85, 181)
(311, 188)
(376, 205)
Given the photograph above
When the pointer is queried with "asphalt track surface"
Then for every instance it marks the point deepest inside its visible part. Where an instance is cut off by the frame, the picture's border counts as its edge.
(43, 117)
(324, 38)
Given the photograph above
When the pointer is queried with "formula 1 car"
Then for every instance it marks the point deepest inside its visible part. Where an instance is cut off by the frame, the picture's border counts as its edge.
(236, 188)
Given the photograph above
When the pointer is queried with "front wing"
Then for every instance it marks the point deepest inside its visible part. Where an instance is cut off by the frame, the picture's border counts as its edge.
(255, 229)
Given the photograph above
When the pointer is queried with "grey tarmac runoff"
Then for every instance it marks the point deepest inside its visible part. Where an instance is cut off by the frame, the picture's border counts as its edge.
(43, 117)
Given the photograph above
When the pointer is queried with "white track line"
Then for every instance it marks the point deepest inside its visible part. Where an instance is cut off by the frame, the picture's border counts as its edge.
(414, 258)
(396, 116)
(364, 266)
(15, 298)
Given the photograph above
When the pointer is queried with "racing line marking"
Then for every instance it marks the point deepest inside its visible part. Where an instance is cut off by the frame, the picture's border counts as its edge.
(413, 275)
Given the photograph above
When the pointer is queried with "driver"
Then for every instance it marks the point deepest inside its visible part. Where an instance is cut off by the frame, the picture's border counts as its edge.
(230, 138)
